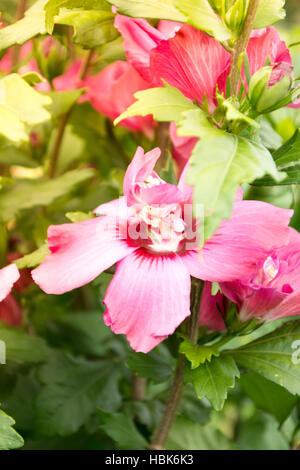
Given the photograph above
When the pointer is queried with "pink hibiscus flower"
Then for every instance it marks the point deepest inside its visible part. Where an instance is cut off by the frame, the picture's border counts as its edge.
(272, 289)
(213, 309)
(111, 92)
(269, 291)
(194, 62)
(140, 38)
(10, 310)
(151, 235)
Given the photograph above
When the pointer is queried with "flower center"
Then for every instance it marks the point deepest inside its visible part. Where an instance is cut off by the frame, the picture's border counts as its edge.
(160, 229)
(268, 271)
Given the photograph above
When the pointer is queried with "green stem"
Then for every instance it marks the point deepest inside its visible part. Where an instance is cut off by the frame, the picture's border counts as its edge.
(112, 136)
(163, 142)
(138, 388)
(21, 8)
(65, 119)
(241, 45)
(177, 388)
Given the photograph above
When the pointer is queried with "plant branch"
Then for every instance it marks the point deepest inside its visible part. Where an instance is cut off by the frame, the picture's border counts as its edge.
(241, 45)
(163, 142)
(111, 134)
(65, 118)
(177, 388)
(21, 8)
(138, 387)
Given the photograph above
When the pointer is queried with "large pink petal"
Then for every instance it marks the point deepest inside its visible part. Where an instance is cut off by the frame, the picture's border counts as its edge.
(192, 61)
(169, 28)
(264, 44)
(123, 95)
(117, 208)
(187, 190)
(139, 38)
(79, 253)
(288, 308)
(99, 88)
(253, 301)
(8, 276)
(140, 168)
(70, 79)
(210, 315)
(255, 229)
(164, 193)
(148, 298)
(112, 91)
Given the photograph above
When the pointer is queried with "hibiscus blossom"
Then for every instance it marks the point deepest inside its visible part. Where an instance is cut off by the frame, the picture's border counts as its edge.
(10, 310)
(195, 63)
(111, 92)
(269, 291)
(150, 234)
(272, 289)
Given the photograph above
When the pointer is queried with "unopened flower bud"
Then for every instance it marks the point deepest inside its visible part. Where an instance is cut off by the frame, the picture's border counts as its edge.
(51, 57)
(269, 86)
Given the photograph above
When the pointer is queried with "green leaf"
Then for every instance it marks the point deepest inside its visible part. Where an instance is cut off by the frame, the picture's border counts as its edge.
(28, 27)
(151, 366)
(201, 15)
(227, 160)
(186, 435)
(147, 412)
(269, 137)
(272, 356)
(21, 401)
(32, 78)
(39, 192)
(215, 288)
(212, 379)
(9, 438)
(261, 433)
(165, 104)
(193, 408)
(62, 101)
(160, 9)
(289, 152)
(92, 28)
(287, 158)
(233, 114)
(269, 13)
(16, 113)
(79, 216)
(84, 332)
(73, 389)
(33, 259)
(11, 155)
(5, 180)
(21, 347)
(268, 396)
(168, 172)
(53, 8)
(11, 126)
(121, 429)
(197, 354)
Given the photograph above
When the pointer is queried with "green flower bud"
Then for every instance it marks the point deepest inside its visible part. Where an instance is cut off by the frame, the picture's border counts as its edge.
(269, 86)
(51, 57)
